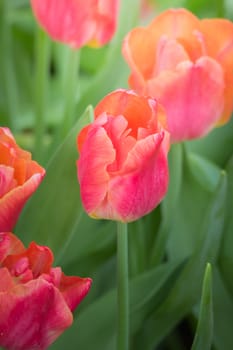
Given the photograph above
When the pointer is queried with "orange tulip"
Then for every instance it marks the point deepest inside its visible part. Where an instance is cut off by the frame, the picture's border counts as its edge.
(123, 167)
(187, 64)
(78, 22)
(36, 299)
(19, 178)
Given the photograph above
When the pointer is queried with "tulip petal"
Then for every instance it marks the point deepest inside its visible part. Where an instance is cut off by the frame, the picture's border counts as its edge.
(12, 203)
(145, 176)
(181, 25)
(74, 289)
(9, 245)
(169, 54)
(40, 258)
(6, 281)
(139, 111)
(139, 51)
(221, 48)
(117, 131)
(19, 178)
(7, 181)
(41, 314)
(106, 20)
(175, 23)
(192, 91)
(37, 258)
(97, 153)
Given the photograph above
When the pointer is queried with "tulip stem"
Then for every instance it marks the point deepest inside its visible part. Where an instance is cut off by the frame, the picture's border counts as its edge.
(7, 68)
(220, 8)
(41, 89)
(122, 287)
(70, 89)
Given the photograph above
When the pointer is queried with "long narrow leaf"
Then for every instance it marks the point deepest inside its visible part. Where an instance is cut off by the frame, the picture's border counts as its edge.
(204, 332)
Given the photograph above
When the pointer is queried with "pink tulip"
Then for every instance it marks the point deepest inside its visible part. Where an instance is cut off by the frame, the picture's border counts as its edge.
(187, 64)
(78, 22)
(19, 178)
(123, 169)
(36, 299)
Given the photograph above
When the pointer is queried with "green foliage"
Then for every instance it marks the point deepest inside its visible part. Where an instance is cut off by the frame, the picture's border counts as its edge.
(204, 332)
(170, 248)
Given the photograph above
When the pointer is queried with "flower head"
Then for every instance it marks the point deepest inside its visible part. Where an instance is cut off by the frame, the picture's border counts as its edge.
(187, 64)
(36, 299)
(122, 169)
(19, 178)
(77, 22)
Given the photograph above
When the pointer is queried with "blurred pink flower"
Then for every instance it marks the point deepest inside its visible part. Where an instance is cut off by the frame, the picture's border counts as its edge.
(36, 299)
(77, 22)
(187, 64)
(123, 169)
(19, 178)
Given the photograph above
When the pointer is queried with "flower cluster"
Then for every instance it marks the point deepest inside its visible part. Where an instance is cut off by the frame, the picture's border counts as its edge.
(28, 279)
(180, 88)
(175, 60)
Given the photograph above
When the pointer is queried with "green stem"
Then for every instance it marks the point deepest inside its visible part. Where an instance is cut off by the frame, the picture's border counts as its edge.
(122, 287)
(220, 8)
(70, 90)
(41, 89)
(7, 66)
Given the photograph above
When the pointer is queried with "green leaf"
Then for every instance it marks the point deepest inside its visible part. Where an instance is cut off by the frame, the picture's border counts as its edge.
(204, 332)
(223, 313)
(142, 234)
(149, 292)
(216, 146)
(55, 209)
(204, 171)
(169, 204)
(187, 214)
(97, 323)
(184, 294)
(226, 255)
(176, 159)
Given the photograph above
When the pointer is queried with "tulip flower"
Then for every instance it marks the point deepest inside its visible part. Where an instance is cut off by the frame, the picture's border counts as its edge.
(19, 178)
(77, 22)
(187, 64)
(36, 299)
(122, 168)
